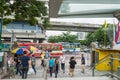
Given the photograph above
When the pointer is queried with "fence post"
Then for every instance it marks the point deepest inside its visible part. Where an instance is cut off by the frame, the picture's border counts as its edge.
(118, 71)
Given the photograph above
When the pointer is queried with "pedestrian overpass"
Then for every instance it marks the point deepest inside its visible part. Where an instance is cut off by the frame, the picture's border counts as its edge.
(77, 27)
(84, 8)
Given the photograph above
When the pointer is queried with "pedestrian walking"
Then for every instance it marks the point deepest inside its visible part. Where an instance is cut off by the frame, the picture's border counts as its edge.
(25, 64)
(18, 66)
(51, 65)
(11, 67)
(72, 66)
(47, 54)
(62, 60)
(42, 59)
(33, 63)
(56, 67)
(83, 63)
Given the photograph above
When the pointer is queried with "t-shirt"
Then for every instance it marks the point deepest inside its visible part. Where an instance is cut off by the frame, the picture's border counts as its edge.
(57, 66)
(72, 64)
(83, 60)
(24, 61)
(62, 59)
(51, 63)
(33, 60)
(47, 54)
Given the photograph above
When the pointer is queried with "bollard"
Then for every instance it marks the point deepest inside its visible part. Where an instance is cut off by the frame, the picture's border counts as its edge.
(118, 71)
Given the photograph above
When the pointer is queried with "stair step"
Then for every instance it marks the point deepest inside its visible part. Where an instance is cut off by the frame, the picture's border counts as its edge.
(68, 78)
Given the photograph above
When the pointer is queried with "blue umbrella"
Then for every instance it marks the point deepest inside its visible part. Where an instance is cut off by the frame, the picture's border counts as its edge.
(19, 51)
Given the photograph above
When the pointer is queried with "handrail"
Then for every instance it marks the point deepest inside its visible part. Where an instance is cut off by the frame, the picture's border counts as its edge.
(103, 59)
(110, 56)
(100, 61)
(113, 75)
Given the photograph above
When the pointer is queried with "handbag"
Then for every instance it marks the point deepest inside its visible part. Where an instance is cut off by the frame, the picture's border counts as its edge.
(30, 71)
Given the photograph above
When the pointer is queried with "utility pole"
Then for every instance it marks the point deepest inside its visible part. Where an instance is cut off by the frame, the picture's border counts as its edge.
(13, 39)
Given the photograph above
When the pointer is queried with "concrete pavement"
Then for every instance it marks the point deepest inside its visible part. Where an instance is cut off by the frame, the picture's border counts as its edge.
(41, 73)
(69, 78)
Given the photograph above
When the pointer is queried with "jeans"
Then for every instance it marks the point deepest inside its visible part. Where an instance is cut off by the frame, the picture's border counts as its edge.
(63, 67)
(18, 69)
(56, 73)
(33, 67)
(51, 70)
(24, 72)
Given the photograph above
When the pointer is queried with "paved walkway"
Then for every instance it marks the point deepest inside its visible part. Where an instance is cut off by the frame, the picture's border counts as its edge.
(41, 74)
(68, 78)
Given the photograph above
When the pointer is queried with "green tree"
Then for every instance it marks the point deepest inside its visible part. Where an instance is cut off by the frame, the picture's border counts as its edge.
(89, 38)
(5, 10)
(83, 42)
(98, 36)
(65, 37)
(28, 10)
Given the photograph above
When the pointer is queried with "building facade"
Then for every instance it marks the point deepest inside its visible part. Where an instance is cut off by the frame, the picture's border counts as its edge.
(22, 32)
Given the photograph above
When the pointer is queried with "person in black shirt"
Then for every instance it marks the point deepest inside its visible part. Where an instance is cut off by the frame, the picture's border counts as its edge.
(72, 66)
(83, 63)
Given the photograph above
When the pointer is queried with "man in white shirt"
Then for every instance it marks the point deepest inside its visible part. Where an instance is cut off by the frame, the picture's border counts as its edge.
(62, 60)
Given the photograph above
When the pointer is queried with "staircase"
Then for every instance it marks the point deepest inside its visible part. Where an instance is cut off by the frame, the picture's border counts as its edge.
(69, 78)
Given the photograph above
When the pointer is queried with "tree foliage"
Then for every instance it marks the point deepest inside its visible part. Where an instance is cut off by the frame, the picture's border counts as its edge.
(25, 10)
(5, 8)
(99, 35)
(65, 37)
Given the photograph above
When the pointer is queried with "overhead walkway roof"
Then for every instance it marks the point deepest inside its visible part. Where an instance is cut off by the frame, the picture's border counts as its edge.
(83, 8)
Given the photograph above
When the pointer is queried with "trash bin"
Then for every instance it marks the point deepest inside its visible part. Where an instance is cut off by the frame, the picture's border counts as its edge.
(118, 71)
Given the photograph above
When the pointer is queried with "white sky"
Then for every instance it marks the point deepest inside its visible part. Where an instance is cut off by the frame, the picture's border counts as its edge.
(81, 20)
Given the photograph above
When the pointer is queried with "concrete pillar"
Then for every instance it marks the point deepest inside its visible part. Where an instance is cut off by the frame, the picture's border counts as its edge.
(117, 14)
(5, 62)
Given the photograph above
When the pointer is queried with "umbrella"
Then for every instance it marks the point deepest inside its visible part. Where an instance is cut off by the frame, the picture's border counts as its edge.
(32, 48)
(19, 50)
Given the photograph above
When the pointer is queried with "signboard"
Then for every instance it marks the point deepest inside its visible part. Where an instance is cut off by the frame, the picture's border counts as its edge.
(5, 47)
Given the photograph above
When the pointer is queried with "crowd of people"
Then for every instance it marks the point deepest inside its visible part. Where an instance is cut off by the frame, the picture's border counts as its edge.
(23, 64)
(20, 64)
(55, 64)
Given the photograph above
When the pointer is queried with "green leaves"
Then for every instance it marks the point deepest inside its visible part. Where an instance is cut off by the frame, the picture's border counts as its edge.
(65, 37)
(7, 21)
(26, 10)
(5, 8)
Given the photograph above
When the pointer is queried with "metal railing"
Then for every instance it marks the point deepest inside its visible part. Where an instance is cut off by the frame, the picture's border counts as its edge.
(111, 57)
